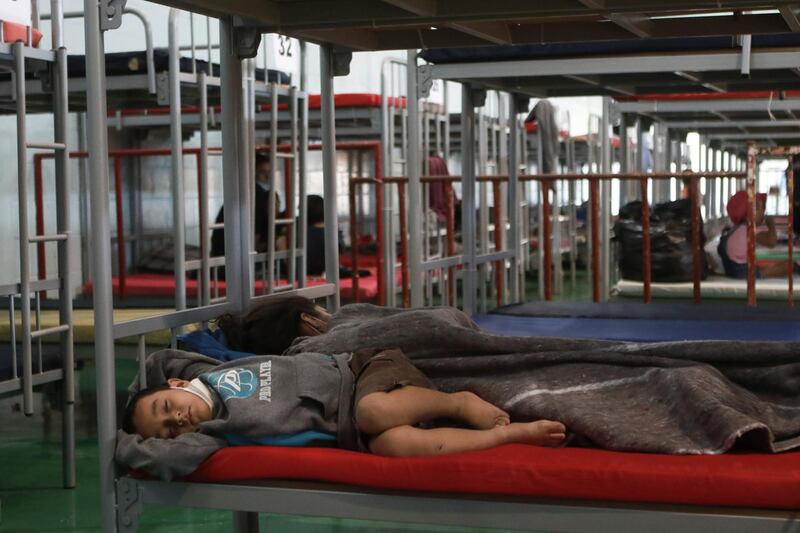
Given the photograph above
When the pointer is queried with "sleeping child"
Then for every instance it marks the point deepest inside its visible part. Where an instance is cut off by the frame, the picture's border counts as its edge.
(373, 400)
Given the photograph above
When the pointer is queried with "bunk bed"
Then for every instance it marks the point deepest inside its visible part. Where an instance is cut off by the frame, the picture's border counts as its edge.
(24, 362)
(563, 490)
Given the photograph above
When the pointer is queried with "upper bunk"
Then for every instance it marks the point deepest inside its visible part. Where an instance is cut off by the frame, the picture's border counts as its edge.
(729, 119)
(627, 67)
(400, 24)
(131, 86)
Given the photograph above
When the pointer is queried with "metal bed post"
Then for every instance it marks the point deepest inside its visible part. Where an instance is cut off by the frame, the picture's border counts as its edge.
(468, 197)
(63, 191)
(483, 205)
(501, 200)
(101, 259)
(625, 187)
(751, 224)
(415, 209)
(205, 237)
(329, 172)
(176, 142)
(513, 198)
(237, 220)
(790, 229)
(605, 205)
(291, 204)
(302, 226)
(24, 235)
(387, 139)
(572, 216)
(539, 215)
(272, 215)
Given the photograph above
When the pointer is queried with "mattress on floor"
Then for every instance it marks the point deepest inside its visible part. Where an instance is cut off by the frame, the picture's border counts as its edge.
(733, 479)
(714, 287)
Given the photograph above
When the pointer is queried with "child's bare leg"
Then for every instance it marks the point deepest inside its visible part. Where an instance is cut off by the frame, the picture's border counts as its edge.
(406, 406)
(405, 441)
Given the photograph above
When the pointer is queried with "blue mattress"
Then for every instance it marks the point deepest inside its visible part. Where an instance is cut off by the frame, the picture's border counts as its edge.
(642, 330)
(598, 48)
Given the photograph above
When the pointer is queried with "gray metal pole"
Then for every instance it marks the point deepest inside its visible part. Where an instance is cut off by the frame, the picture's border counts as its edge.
(468, 197)
(415, 212)
(176, 143)
(329, 173)
(539, 215)
(205, 240)
(302, 227)
(291, 202)
(513, 198)
(102, 295)
(237, 216)
(605, 205)
(273, 183)
(303, 67)
(63, 192)
(24, 233)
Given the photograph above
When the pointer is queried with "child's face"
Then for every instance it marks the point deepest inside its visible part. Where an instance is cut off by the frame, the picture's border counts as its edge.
(165, 414)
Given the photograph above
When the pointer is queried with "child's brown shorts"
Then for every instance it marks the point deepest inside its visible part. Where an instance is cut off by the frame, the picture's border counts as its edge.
(384, 371)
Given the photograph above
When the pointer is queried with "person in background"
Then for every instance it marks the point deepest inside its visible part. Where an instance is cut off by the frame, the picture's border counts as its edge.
(262, 209)
(733, 242)
(315, 235)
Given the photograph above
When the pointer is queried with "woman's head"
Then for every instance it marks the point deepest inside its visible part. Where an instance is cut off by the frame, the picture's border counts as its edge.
(270, 327)
(737, 207)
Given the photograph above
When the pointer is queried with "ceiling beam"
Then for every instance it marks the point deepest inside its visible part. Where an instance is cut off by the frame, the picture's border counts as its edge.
(595, 82)
(493, 32)
(424, 8)
(360, 40)
(639, 25)
(699, 81)
(790, 16)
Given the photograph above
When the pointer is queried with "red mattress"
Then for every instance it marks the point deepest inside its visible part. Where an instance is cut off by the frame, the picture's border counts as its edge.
(163, 286)
(356, 100)
(740, 480)
(533, 127)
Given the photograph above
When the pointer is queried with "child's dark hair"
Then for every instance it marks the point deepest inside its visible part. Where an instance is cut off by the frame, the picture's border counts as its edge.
(268, 328)
(262, 159)
(130, 409)
(315, 210)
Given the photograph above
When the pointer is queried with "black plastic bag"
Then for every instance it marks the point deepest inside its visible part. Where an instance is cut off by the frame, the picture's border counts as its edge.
(670, 242)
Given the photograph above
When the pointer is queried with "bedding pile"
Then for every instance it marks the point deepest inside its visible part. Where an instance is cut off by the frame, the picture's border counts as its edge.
(697, 397)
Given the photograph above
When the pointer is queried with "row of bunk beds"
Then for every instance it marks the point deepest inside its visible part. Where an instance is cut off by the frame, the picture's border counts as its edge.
(567, 489)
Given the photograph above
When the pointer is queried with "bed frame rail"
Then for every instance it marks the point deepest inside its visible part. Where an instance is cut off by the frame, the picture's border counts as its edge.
(246, 500)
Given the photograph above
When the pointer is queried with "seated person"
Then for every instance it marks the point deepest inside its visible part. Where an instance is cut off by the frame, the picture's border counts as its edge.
(372, 400)
(733, 241)
(262, 209)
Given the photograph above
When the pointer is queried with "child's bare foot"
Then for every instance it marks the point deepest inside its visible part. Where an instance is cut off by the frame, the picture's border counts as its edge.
(479, 413)
(539, 433)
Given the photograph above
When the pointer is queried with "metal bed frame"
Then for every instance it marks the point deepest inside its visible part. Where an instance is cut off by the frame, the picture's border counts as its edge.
(123, 497)
(18, 58)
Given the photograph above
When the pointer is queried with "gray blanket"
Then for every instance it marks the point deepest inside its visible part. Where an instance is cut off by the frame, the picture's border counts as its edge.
(670, 397)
